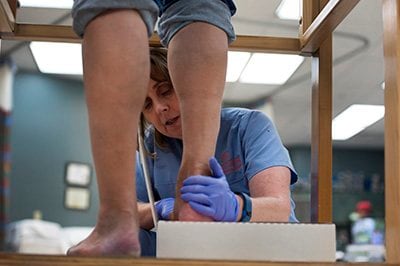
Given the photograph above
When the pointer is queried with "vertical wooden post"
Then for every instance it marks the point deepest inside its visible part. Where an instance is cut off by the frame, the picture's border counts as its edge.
(13, 6)
(310, 10)
(321, 147)
(391, 34)
(321, 144)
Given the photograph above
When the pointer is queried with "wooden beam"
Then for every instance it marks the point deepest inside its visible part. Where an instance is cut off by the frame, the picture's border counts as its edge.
(36, 32)
(325, 23)
(41, 260)
(321, 125)
(54, 33)
(266, 44)
(391, 34)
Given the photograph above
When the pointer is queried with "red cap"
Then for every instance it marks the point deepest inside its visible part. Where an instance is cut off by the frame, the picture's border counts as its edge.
(364, 206)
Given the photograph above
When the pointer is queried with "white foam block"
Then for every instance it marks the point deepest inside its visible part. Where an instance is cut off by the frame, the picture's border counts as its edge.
(247, 241)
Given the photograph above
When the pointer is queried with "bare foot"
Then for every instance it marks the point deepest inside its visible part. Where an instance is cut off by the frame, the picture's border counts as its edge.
(183, 211)
(111, 237)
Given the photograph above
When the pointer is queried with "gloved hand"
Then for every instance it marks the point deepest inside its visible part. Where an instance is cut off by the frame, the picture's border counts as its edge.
(164, 208)
(211, 195)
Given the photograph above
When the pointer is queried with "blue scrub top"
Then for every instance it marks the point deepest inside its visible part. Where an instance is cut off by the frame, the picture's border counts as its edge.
(247, 144)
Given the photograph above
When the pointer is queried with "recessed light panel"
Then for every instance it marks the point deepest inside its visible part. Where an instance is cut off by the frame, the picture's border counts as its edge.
(355, 119)
(58, 58)
(236, 63)
(274, 69)
(65, 4)
(289, 9)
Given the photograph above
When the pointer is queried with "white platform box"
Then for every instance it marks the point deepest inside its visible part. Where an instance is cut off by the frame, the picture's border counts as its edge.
(289, 242)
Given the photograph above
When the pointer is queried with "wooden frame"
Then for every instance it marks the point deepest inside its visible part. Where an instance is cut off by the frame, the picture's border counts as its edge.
(320, 18)
(321, 125)
(391, 23)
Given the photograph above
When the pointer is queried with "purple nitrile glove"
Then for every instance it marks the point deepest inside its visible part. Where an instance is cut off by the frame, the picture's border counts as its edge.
(164, 208)
(211, 195)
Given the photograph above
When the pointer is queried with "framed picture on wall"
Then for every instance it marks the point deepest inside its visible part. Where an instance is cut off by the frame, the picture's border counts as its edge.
(77, 198)
(78, 174)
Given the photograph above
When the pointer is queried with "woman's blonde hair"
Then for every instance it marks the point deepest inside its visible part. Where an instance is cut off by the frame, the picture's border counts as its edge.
(158, 72)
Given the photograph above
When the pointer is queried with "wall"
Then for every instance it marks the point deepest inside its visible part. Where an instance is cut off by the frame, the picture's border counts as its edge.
(49, 129)
(354, 172)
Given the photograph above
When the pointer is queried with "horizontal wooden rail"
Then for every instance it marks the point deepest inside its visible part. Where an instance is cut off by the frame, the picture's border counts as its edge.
(41, 260)
(36, 32)
(266, 44)
(56, 33)
(325, 23)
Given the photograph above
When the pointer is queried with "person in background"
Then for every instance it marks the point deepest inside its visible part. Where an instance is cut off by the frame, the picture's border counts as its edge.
(116, 75)
(363, 228)
(250, 173)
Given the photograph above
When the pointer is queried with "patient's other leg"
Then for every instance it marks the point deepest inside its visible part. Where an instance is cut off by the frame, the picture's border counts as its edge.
(197, 60)
(116, 72)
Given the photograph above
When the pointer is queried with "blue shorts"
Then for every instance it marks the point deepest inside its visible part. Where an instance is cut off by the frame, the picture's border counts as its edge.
(164, 4)
(174, 17)
(180, 14)
(85, 11)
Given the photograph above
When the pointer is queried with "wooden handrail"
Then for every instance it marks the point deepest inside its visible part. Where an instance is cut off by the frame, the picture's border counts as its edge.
(57, 33)
(325, 23)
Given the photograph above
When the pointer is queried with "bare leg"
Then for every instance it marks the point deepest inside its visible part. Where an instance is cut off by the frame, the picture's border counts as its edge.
(116, 68)
(197, 58)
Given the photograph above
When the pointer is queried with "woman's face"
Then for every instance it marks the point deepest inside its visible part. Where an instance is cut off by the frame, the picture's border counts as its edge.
(161, 109)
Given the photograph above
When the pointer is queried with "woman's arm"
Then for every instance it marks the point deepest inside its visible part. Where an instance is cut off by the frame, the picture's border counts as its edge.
(270, 195)
(163, 208)
(145, 217)
(211, 195)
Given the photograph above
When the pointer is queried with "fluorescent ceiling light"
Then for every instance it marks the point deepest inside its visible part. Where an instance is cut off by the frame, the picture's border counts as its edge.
(355, 119)
(58, 58)
(236, 63)
(289, 9)
(65, 4)
(273, 69)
